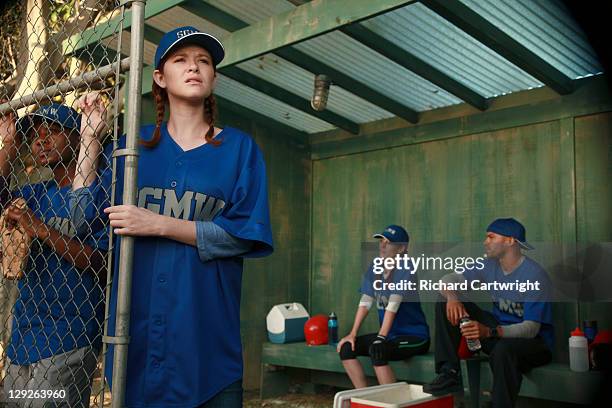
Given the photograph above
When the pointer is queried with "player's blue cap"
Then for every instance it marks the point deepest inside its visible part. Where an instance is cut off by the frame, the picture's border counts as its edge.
(189, 35)
(394, 233)
(509, 227)
(63, 115)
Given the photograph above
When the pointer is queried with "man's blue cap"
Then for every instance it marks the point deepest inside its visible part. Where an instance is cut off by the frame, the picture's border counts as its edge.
(64, 116)
(395, 234)
(509, 227)
(189, 35)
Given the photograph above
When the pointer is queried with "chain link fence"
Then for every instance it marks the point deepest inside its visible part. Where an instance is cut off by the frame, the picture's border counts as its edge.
(61, 75)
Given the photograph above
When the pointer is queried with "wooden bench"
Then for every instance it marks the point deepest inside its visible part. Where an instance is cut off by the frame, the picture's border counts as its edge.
(551, 382)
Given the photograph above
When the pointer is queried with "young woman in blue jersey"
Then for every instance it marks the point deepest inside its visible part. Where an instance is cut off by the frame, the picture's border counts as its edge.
(202, 207)
(403, 330)
(59, 309)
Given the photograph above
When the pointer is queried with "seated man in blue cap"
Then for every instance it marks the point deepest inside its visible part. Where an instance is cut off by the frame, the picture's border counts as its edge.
(403, 329)
(57, 317)
(517, 335)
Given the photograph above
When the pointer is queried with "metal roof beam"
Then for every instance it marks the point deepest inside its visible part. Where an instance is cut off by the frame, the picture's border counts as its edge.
(491, 36)
(213, 14)
(287, 97)
(300, 24)
(411, 62)
(306, 62)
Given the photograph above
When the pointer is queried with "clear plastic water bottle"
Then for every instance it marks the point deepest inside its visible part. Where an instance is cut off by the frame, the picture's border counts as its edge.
(473, 344)
(332, 329)
(578, 351)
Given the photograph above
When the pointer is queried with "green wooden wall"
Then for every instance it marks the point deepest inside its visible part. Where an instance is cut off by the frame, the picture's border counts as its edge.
(552, 173)
(556, 183)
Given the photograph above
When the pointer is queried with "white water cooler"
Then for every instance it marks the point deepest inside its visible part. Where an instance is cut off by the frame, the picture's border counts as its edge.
(285, 323)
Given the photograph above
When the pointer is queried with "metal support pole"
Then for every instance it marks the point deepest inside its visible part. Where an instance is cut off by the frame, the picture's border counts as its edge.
(124, 278)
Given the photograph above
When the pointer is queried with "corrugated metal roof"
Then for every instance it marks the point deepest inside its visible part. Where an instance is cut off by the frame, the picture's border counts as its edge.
(431, 38)
(351, 57)
(274, 69)
(170, 19)
(252, 11)
(294, 79)
(268, 106)
(366, 65)
(546, 28)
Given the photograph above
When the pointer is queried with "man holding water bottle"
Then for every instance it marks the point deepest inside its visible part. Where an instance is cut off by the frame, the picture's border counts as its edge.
(517, 335)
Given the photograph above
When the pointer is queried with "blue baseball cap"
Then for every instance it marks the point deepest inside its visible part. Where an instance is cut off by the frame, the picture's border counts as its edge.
(63, 115)
(189, 35)
(394, 233)
(509, 227)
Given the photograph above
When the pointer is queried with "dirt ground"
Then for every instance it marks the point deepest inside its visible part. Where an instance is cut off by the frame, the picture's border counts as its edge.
(319, 400)
(324, 399)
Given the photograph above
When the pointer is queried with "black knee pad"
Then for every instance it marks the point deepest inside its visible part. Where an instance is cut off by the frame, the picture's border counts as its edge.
(378, 362)
(346, 353)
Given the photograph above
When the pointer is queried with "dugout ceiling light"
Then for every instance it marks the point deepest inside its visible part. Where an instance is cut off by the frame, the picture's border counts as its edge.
(321, 92)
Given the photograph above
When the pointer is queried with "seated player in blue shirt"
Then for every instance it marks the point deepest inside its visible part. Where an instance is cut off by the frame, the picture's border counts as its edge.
(57, 319)
(517, 335)
(403, 330)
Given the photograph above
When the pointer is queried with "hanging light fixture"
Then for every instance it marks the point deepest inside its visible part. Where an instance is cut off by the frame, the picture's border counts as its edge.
(321, 92)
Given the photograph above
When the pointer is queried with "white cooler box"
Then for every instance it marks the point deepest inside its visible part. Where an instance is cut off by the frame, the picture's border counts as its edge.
(285, 323)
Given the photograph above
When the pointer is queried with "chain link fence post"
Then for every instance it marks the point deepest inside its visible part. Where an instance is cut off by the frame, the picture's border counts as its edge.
(124, 279)
(55, 277)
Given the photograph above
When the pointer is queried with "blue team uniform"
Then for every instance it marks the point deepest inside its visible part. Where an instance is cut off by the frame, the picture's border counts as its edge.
(409, 319)
(511, 307)
(59, 308)
(185, 314)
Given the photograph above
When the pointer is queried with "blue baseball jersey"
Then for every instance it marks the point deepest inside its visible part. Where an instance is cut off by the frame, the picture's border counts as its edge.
(59, 307)
(409, 319)
(511, 307)
(185, 313)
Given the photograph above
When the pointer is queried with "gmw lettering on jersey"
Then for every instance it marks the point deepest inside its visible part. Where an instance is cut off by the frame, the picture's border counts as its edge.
(164, 201)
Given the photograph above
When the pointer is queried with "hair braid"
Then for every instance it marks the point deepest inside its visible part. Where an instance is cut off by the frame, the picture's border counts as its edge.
(160, 97)
(210, 115)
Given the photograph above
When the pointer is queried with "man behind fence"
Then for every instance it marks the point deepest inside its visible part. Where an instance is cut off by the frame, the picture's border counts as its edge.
(53, 349)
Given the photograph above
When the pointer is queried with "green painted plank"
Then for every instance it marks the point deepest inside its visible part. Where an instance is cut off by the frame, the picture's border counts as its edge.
(152, 34)
(287, 97)
(444, 191)
(306, 62)
(591, 97)
(147, 79)
(490, 35)
(263, 285)
(594, 196)
(415, 64)
(108, 29)
(300, 24)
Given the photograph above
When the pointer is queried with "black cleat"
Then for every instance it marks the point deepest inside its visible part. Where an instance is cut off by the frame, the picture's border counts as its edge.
(446, 382)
